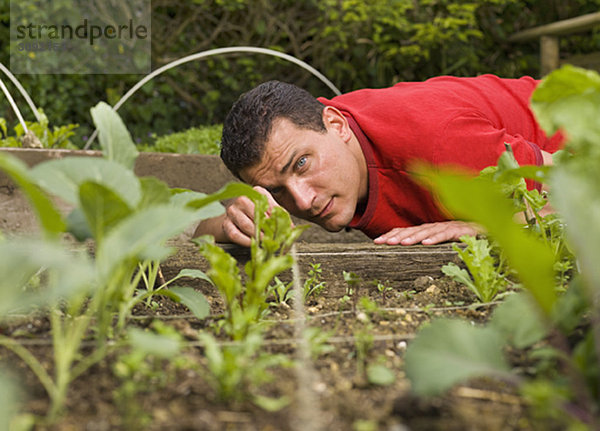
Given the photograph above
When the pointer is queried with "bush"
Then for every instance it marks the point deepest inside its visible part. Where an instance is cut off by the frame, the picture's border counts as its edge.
(355, 44)
(197, 140)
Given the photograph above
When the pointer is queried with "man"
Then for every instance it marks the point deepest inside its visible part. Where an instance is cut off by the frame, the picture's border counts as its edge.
(345, 162)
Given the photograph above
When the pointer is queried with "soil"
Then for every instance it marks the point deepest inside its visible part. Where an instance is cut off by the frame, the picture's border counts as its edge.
(339, 395)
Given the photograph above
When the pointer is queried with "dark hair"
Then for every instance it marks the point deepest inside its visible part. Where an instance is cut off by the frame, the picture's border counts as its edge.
(250, 120)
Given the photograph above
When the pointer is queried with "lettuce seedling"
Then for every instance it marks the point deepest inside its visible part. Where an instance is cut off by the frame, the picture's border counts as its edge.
(484, 278)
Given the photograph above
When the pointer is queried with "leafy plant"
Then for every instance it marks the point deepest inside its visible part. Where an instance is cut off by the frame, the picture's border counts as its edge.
(314, 284)
(246, 304)
(237, 370)
(484, 277)
(196, 140)
(56, 137)
(352, 284)
(558, 329)
(129, 220)
(150, 363)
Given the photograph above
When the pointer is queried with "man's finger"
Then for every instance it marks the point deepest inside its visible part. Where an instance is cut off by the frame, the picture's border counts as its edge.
(270, 198)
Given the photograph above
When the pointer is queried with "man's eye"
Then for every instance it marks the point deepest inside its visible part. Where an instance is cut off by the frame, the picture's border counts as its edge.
(275, 190)
(301, 162)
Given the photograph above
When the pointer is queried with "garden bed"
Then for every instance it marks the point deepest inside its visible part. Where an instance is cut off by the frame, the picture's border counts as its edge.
(347, 375)
(334, 395)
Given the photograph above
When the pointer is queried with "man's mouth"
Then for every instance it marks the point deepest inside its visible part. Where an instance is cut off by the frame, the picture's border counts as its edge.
(326, 210)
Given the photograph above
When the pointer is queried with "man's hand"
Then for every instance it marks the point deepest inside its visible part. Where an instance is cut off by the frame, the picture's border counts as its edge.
(428, 233)
(237, 224)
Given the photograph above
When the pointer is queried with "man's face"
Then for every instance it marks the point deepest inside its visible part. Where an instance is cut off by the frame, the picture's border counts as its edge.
(320, 177)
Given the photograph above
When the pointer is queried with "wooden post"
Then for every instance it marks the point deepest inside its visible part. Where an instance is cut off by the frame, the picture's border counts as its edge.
(549, 54)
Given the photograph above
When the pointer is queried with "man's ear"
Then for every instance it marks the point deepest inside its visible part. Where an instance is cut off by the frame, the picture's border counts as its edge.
(336, 121)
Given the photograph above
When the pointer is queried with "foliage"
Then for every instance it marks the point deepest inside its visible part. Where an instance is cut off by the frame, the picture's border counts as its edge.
(197, 140)
(149, 364)
(568, 99)
(129, 219)
(355, 44)
(484, 277)
(246, 304)
(55, 137)
(237, 371)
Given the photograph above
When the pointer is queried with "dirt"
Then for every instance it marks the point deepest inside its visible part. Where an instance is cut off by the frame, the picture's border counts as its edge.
(340, 397)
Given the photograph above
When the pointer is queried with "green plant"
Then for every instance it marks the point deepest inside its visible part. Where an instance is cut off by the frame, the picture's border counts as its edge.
(485, 277)
(373, 372)
(559, 329)
(237, 370)
(129, 219)
(197, 140)
(383, 289)
(150, 363)
(246, 304)
(314, 285)
(57, 137)
(352, 284)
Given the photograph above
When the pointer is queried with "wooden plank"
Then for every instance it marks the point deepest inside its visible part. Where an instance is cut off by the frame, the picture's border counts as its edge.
(549, 54)
(399, 265)
(567, 26)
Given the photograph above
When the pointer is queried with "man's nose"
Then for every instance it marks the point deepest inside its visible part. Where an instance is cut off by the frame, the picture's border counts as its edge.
(303, 195)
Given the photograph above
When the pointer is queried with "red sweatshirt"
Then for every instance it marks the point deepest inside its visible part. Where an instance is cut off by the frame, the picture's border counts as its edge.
(443, 121)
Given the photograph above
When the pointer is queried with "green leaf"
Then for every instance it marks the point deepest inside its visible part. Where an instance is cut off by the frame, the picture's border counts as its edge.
(229, 191)
(459, 274)
(192, 273)
(482, 201)
(569, 98)
(63, 177)
(114, 137)
(154, 192)
(224, 271)
(577, 197)
(192, 299)
(68, 273)
(77, 225)
(270, 404)
(141, 236)
(49, 217)
(102, 207)
(450, 351)
(190, 199)
(381, 375)
(163, 346)
(520, 321)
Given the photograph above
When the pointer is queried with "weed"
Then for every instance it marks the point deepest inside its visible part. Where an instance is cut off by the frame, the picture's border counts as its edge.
(314, 284)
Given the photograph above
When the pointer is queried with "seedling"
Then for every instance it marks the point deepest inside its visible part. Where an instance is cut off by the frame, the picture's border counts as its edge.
(246, 304)
(352, 284)
(237, 370)
(485, 277)
(314, 285)
(383, 289)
